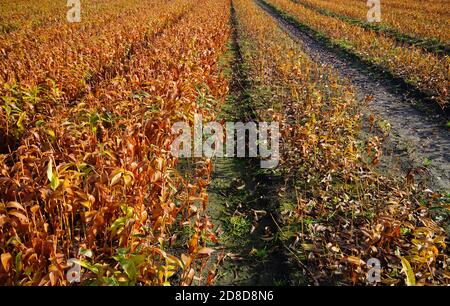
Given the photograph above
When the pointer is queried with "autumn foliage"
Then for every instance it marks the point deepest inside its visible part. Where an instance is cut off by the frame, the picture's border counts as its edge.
(86, 171)
(337, 211)
(427, 71)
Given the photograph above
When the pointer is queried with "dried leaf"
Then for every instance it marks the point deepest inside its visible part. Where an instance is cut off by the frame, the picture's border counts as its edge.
(6, 259)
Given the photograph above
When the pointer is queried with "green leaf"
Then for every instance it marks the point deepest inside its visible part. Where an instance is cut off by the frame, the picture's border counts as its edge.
(426, 162)
(117, 226)
(138, 259)
(87, 265)
(94, 118)
(7, 109)
(54, 181)
(86, 252)
(130, 211)
(122, 251)
(18, 262)
(111, 281)
(130, 268)
(139, 94)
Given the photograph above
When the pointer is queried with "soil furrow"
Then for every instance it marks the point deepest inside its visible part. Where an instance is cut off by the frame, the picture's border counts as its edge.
(243, 201)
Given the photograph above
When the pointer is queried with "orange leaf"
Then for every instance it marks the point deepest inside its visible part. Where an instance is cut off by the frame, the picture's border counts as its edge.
(6, 261)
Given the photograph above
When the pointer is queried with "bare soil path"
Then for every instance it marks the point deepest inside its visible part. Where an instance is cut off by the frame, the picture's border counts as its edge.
(243, 200)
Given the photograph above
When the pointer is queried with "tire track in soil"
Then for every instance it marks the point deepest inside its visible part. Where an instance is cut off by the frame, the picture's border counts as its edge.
(239, 189)
(418, 135)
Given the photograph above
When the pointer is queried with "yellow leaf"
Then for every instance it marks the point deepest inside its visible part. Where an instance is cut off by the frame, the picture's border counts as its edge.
(21, 118)
(110, 154)
(116, 178)
(122, 278)
(86, 204)
(186, 260)
(172, 260)
(51, 133)
(410, 278)
(307, 247)
(127, 178)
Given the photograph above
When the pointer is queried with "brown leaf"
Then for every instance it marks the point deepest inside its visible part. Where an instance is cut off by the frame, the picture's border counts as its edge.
(205, 251)
(355, 260)
(23, 219)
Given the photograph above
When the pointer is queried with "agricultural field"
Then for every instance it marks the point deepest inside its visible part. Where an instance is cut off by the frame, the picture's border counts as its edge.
(340, 176)
(425, 70)
(422, 20)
